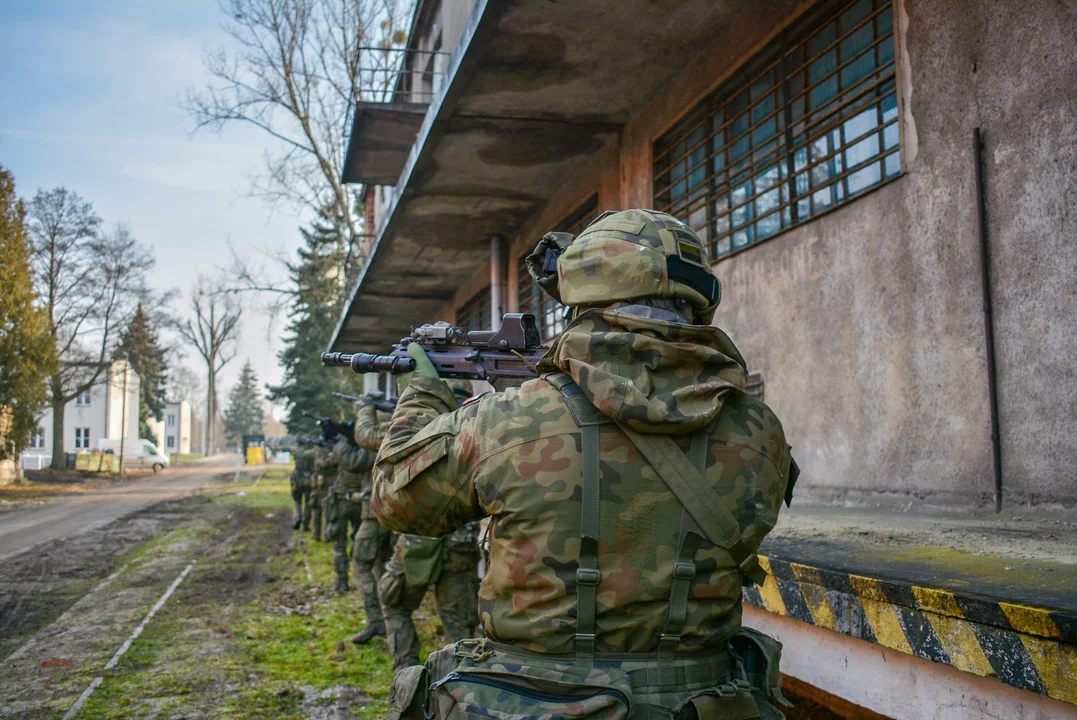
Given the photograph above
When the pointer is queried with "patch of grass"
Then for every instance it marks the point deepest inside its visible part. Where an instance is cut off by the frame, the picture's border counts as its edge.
(233, 654)
(190, 456)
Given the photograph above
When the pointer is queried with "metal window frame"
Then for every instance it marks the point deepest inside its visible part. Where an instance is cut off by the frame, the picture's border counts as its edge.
(476, 308)
(787, 59)
(529, 296)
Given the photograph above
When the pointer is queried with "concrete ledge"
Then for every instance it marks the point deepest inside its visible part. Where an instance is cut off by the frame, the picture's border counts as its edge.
(1029, 648)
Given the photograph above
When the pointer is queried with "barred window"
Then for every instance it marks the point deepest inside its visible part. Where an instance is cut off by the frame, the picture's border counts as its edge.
(808, 124)
(548, 312)
(475, 313)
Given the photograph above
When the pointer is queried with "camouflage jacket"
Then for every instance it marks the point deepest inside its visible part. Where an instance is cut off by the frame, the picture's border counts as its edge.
(326, 465)
(515, 456)
(370, 429)
(353, 467)
(304, 462)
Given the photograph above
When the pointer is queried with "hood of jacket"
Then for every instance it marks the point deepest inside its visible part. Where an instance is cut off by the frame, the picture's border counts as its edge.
(649, 374)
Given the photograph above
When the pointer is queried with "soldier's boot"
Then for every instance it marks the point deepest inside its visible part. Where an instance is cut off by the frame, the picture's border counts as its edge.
(368, 588)
(342, 584)
(369, 632)
(402, 639)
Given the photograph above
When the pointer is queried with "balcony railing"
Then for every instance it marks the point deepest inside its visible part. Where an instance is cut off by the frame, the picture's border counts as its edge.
(402, 75)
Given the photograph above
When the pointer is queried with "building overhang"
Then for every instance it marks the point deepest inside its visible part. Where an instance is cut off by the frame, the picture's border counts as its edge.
(533, 91)
(381, 139)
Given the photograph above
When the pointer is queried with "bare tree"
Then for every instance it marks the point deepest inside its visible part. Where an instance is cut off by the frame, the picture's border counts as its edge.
(301, 67)
(91, 284)
(213, 333)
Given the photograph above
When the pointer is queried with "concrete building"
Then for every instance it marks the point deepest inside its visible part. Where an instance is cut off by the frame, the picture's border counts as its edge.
(825, 151)
(177, 428)
(100, 413)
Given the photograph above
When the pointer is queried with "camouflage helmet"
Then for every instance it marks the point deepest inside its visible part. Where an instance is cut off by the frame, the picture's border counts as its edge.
(624, 256)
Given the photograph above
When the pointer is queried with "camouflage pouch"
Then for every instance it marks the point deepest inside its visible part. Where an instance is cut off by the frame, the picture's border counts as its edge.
(761, 657)
(732, 701)
(514, 687)
(332, 508)
(408, 694)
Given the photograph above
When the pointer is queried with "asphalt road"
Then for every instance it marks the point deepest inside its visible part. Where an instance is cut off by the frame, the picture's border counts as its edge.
(67, 515)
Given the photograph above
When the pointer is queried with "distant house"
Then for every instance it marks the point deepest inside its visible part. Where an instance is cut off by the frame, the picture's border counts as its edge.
(99, 413)
(177, 428)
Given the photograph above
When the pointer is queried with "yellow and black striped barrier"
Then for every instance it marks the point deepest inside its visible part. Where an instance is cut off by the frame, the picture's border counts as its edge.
(1027, 647)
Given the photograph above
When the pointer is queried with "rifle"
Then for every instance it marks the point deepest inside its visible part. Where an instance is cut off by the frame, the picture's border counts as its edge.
(509, 354)
(378, 402)
(331, 428)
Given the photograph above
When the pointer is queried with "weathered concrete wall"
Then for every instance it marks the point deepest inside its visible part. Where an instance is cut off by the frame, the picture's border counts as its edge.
(867, 322)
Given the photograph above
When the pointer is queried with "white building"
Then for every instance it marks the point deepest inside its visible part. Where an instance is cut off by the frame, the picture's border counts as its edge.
(177, 428)
(100, 413)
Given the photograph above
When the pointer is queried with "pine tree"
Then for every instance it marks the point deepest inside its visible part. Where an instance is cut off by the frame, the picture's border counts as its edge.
(306, 388)
(27, 352)
(245, 411)
(140, 346)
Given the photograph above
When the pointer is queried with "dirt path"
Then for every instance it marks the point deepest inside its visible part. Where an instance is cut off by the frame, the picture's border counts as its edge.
(246, 632)
(69, 515)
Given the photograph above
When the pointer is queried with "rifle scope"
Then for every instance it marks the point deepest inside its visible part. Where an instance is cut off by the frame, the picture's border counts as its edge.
(365, 362)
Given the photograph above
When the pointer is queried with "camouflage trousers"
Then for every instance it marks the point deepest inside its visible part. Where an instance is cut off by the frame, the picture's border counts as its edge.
(316, 502)
(301, 499)
(455, 588)
(342, 520)
(372, 549)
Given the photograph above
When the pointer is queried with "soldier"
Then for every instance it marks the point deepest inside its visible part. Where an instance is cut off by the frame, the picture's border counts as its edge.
(449, 564)
(325, 471)
(301, 481)
(629, 488)
(373, 543)
(344, 503)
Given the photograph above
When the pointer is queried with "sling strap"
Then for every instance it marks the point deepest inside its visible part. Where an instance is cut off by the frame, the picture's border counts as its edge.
(684, 568)
(698, 498)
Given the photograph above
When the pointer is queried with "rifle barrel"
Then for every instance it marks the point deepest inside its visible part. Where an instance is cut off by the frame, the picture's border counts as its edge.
(366, 362)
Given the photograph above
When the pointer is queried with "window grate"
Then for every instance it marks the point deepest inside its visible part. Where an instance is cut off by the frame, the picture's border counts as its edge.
(475, 313)
(549, 314)
(810, 123)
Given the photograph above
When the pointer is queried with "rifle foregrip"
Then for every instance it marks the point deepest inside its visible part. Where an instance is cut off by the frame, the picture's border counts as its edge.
(365, 362)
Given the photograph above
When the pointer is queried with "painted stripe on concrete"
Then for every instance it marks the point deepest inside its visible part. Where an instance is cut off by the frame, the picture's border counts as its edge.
(1026, 647)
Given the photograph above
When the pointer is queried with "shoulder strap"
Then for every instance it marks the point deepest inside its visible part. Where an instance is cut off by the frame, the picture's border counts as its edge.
(588, 576)
(698, 498)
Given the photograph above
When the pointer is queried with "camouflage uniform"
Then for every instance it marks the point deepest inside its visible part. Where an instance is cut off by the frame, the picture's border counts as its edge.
(449, 564)
(373, 543)
(344, 504)
(301, 481)
(684, 476)
(325, 472)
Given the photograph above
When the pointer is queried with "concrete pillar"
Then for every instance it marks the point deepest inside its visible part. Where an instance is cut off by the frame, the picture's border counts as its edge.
(498, 254)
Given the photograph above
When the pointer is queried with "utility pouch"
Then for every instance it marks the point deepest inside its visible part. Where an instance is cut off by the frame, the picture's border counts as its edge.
(408, 694)
(423, 559)
(761, 656)
(391, 585)
(513, 687)
(732, 701)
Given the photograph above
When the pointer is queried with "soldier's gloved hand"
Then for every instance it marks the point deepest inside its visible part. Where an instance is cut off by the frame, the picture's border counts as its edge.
(423, 366)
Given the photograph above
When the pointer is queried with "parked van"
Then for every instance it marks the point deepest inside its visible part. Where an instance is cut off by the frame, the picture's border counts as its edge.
(136, 453)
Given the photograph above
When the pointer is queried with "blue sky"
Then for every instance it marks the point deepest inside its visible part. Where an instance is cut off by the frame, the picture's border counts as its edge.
(89, 95)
